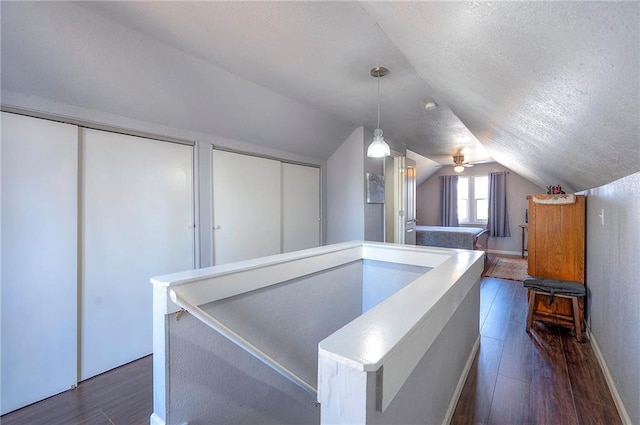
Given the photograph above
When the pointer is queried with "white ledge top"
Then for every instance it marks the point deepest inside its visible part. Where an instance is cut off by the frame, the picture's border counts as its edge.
(188, 276)
(366, 342)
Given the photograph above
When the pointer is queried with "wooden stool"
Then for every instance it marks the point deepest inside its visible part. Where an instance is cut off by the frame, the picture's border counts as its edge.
(555, 288)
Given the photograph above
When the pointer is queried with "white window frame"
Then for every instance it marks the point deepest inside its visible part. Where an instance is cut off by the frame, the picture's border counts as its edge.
(471, 200)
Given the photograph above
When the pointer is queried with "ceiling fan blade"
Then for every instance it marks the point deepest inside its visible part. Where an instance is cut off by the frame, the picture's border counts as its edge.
(467, 165)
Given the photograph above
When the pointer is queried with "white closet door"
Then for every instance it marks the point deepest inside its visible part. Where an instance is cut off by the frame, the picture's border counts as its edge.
(246, 207)
(137, 222)
(39, 259)
(300, 207)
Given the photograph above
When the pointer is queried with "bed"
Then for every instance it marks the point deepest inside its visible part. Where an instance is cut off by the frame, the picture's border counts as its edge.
(475, 238)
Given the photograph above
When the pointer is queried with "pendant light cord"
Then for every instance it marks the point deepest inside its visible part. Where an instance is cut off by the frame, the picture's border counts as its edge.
(378, 78)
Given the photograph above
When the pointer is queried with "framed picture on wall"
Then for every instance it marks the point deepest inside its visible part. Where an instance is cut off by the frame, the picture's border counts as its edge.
(375, 189)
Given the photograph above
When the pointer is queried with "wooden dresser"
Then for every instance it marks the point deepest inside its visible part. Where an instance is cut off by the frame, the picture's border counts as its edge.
(556, 250)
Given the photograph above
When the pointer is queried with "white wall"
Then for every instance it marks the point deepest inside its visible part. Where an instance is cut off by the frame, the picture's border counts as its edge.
(96, 63)
(380, 280)
(428, 199)
(613, 270)
(345, 190)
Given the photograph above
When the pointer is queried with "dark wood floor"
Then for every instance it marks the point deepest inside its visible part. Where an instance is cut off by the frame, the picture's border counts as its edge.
(122, 396)
(545, 378)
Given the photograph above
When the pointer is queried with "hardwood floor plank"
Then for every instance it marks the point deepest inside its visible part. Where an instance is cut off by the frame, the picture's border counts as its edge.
(136, 380)
(591, 413)
(136, 409)
(586, 376)
(67, 408)
(497, 321)
(99, 419)
(488, 290)
(510, 402)
(113, 391)
(475, 401)
(551, 402)
(516, 357)
(547, 355)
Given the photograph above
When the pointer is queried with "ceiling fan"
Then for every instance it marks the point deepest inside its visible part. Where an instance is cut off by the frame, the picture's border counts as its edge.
(460, 165)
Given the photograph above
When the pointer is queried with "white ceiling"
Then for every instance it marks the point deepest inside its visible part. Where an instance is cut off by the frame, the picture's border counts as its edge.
(549, 90)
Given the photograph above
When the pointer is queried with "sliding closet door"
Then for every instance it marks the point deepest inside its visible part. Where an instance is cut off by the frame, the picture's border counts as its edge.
(137, 222)
(300, 207)
(39, 259)
(246, 207)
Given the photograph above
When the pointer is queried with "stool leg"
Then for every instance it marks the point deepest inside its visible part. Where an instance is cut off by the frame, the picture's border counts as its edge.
(576, 318)
(532, 299)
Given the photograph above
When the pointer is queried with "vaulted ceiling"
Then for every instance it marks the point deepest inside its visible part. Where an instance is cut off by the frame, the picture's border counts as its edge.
(550, 90)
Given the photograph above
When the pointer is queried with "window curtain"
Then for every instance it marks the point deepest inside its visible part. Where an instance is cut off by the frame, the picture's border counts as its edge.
(498, 222)
(448, 212)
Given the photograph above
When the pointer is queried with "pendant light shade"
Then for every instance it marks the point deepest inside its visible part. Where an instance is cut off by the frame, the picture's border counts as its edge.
(378, 147)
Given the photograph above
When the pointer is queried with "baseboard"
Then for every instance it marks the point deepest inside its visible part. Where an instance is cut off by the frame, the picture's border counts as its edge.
(463, 379)
(156, 420)
(510, 253)
(624, 416)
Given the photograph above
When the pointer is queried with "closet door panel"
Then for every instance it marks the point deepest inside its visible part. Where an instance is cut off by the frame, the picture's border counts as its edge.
(137, 222)
(300, 207)
(246, 207)
(39, 259)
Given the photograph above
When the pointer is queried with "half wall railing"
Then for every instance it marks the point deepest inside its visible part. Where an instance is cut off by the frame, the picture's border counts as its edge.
(225, 331)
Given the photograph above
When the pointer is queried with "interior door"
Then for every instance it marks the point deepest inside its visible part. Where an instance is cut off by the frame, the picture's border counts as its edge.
(39, 259)
(246, 207)
(410, 201)
(395, 199)
(300, 207)
(137, 222)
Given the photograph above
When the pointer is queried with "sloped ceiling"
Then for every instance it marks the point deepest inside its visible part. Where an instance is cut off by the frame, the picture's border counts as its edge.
(548, 89)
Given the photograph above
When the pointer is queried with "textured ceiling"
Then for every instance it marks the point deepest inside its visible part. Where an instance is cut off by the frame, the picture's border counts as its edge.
(549, 90)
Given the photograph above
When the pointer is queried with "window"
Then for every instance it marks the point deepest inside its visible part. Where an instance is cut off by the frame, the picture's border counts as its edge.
(473, 202)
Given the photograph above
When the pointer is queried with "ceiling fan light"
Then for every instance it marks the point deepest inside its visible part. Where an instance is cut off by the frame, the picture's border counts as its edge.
(458, 168)
(378, 147)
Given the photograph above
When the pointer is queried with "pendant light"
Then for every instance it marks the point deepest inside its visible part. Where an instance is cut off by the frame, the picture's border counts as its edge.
(378, 147)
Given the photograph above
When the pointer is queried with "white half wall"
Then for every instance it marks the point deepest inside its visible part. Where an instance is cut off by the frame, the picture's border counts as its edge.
(613, 244)
(345, 190)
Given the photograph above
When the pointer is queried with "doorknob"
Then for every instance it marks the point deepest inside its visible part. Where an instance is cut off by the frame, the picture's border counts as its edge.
(216, 228)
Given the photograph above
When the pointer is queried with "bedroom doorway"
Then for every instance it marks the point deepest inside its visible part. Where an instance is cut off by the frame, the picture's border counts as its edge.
(400, 199)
